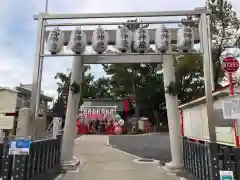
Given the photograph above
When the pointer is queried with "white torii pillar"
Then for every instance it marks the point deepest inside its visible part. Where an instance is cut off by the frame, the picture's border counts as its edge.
(173, 116)
(67, 160)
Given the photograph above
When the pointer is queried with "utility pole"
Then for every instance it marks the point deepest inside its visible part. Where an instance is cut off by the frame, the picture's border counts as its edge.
(46, 6)
(213, 2)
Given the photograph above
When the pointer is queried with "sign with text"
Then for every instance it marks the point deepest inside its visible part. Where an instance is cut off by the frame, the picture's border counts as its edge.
(226, 175)
(57, 123)
(231, 107)
(19, 147)
(6, 122)
(230, 64)
(97, 110)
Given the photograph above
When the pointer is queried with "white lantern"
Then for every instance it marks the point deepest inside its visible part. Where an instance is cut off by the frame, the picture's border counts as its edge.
(78, 41)
(55, 41)
(185, 39)
(123, 39)
(162, 38)
(100, 40)
(141, 40)
(121, 122)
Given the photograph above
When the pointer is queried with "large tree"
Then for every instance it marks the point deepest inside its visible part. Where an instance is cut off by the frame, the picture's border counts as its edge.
(102, 88)
(224, 26)
(63, 83)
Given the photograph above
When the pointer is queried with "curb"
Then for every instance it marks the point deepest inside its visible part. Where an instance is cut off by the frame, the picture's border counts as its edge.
(60, 176)
(138, 157)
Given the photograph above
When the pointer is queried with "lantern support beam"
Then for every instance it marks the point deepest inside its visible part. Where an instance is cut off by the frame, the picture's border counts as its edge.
(196, 11)
(122, 23)
(131, 58)
(122, 55)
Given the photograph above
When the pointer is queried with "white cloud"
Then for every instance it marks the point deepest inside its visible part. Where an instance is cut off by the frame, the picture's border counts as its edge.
(17, 55)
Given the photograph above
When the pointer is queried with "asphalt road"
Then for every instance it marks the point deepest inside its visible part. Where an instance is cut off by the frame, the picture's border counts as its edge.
(155, 146)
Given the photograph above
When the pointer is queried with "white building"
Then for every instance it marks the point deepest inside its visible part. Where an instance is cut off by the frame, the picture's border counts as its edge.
(13, 99)
(195, 123)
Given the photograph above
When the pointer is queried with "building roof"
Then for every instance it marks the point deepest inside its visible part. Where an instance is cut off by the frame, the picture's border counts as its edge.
(26, 89)
(8, 89)
(218, 93)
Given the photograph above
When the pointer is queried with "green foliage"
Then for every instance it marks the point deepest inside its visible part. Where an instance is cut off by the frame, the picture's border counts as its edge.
(224, 29)
(74, 87)
(172, 89)
(189, 77)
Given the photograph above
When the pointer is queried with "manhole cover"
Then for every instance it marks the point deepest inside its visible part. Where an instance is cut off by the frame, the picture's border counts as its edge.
(146, 160)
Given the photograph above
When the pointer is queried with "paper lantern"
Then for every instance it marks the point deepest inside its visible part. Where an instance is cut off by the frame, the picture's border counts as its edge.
(162, 37)
(121, 122)
(123, 39)
(78, 41)
(100, 40)
(55, 41)
(185, 39)
(141, 40)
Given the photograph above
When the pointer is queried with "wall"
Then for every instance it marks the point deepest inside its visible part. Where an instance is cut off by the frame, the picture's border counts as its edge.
(195, 123)
(8, 100)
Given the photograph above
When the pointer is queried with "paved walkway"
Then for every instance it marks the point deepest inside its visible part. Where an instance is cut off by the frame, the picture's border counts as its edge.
(102, 162)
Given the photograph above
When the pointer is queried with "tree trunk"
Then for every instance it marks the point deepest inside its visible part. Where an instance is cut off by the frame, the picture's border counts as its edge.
(134, 94)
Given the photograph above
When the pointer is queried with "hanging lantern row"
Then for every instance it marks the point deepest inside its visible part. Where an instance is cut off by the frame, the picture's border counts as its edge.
(124, 40)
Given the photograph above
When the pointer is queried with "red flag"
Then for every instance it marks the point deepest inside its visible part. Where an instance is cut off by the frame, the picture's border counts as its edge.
(125, 105)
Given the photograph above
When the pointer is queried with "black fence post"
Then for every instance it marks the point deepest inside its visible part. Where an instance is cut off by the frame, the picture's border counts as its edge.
(236, 154)
(227, 160)
(18, 167)
(203, 162)
(184, 152)
(212, 154)
(42, 162)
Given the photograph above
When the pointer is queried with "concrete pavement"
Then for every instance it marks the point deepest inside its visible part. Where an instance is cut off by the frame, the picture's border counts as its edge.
(155, 146)
(102, 162)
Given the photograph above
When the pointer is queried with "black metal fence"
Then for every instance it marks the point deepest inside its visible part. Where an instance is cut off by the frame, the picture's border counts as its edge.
(43, 162)
(197, 159)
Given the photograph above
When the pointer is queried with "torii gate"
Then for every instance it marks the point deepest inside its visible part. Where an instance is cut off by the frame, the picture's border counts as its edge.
(166, 58)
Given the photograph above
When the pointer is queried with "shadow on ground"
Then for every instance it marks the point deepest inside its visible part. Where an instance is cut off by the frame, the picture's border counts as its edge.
(155, 146)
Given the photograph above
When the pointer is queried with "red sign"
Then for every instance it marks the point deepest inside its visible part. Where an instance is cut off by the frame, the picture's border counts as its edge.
(230, 64)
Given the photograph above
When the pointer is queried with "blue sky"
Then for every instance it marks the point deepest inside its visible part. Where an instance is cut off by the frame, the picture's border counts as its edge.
(18, 33)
